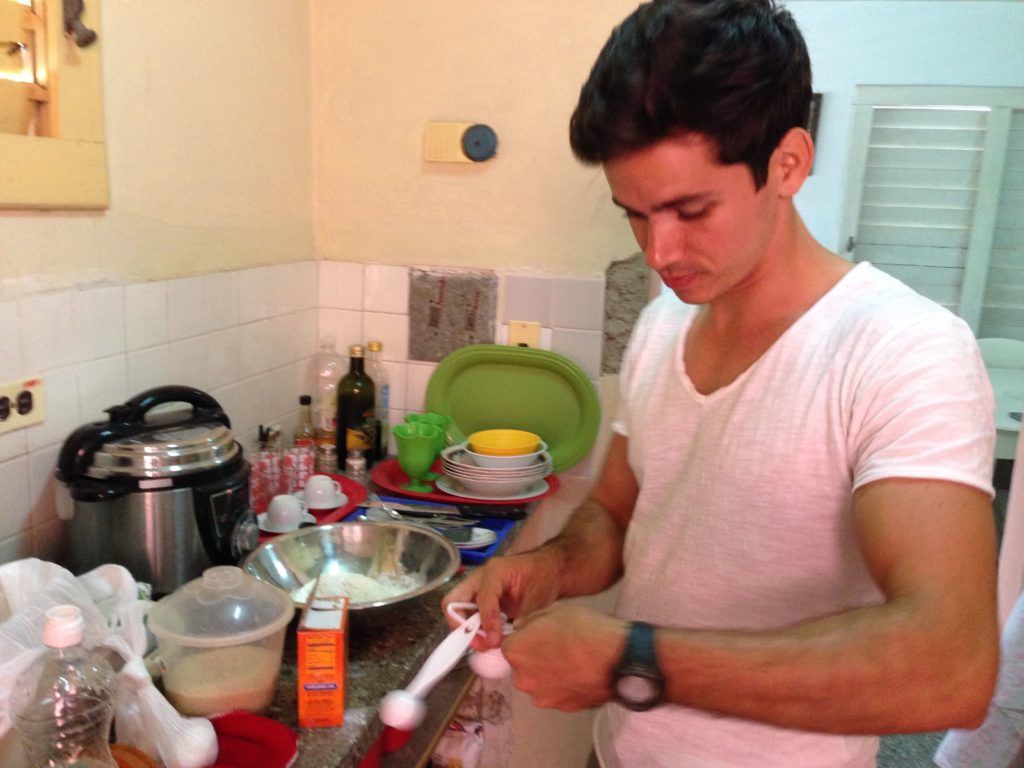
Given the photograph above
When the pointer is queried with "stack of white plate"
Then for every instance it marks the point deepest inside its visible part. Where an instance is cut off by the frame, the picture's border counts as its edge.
(470, 479)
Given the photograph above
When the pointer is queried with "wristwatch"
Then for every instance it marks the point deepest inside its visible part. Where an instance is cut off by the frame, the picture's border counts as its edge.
(637, 682)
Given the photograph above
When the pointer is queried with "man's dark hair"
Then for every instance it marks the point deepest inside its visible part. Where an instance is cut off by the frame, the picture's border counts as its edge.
(736, 71)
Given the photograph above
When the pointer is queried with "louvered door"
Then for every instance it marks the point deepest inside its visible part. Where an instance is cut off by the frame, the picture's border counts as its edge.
(934, 197)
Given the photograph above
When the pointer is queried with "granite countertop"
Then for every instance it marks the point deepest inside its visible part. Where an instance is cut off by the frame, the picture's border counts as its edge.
(383, 654)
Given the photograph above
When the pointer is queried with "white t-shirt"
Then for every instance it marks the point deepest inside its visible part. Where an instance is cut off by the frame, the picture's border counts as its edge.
(743, 520)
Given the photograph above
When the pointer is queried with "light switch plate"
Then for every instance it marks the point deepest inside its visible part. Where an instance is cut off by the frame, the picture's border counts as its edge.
(21, 404)
(523, 333)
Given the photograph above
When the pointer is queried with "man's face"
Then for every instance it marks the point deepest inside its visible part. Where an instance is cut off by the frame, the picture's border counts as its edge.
(703, 226)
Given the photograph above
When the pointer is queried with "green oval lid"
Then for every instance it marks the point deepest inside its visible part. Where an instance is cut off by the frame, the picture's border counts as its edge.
(491, 386)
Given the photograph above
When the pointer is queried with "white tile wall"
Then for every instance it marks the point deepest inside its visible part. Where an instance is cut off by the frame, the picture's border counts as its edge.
(241, 335)
(249, 337)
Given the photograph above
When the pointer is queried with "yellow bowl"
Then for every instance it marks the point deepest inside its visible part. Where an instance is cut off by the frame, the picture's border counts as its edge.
(503, 442)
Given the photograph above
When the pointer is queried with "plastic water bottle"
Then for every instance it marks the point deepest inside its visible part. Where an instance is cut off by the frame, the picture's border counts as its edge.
(64, 704)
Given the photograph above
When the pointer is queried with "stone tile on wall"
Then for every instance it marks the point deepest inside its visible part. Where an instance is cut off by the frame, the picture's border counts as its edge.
(626, 293)
(448, 309)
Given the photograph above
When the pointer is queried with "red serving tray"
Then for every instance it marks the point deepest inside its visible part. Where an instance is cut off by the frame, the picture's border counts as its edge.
(355, 493)
(387, 474)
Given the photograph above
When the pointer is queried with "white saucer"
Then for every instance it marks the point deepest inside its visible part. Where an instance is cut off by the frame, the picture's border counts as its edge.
(480, 538)
(339, 501)
(447, 485)
(261, 521)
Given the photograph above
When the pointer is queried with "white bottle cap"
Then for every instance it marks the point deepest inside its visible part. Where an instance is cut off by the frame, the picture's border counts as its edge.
(63, 627)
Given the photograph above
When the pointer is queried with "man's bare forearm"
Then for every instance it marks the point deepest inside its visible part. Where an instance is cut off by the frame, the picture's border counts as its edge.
(588, 551)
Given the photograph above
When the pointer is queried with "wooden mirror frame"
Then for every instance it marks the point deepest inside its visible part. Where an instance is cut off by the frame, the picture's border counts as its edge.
(67, 170)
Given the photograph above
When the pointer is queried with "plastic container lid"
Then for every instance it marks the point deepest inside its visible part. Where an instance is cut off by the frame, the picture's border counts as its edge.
(223, 607)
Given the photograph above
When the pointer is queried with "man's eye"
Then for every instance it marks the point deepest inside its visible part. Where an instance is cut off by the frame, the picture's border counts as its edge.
(692, 215)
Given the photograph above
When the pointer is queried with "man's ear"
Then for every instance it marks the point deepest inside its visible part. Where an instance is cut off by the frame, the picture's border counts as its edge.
(792, 161)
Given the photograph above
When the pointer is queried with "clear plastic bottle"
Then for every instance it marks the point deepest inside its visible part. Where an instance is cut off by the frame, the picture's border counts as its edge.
(379, 374)
(330, 367)
(64, 704)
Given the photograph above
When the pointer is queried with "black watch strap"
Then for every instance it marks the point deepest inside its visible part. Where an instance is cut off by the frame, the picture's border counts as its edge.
(637, 682)
(640, 644)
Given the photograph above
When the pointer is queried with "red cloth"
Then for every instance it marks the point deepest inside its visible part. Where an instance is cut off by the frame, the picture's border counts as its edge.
(245, 740)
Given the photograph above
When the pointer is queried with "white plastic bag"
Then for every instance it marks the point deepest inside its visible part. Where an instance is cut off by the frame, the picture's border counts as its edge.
(108, 599)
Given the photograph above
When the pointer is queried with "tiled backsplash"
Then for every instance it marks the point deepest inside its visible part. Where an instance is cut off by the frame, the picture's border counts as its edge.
(248, 337)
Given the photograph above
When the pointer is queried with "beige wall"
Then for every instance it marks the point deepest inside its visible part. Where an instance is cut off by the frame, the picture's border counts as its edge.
(207, 116)
(381, 71)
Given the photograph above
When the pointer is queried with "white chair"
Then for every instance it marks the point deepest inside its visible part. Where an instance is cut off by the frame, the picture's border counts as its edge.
(1011, 551)
(1004, 360)
(1002, 353)
(997, 743)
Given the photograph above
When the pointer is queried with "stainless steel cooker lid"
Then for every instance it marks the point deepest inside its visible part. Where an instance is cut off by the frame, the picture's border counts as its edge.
(141, 441)
(165, 453)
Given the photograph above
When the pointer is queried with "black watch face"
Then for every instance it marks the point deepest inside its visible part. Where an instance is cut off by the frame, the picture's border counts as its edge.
(637, 692)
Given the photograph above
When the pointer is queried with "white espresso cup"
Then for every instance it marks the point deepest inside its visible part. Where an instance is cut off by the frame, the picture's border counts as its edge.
(285, 512)
(323, 492)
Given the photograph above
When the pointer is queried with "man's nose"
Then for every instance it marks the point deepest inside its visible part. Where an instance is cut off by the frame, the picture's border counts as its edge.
(665, 245)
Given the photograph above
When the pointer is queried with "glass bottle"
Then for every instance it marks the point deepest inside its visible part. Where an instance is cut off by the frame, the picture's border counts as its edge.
(305, 432)
(64, 704)
(356, 395)
(382, 404)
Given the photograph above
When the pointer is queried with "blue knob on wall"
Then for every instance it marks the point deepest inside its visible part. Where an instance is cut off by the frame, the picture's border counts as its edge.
(479, 142)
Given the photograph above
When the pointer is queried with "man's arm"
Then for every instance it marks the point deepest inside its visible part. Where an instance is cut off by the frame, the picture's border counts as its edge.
(584, 558)
(925, 659)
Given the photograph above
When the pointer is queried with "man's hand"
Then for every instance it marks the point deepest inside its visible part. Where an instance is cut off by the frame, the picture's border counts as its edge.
(516, 585)
(563, 656)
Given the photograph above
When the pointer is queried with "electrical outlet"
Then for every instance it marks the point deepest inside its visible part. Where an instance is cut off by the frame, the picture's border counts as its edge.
(21, 404)
(523, 333)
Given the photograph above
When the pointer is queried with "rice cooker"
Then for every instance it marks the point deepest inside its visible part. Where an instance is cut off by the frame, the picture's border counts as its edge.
(163, 491)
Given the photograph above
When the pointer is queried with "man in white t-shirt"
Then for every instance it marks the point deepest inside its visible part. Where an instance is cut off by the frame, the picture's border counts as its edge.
(797, 493)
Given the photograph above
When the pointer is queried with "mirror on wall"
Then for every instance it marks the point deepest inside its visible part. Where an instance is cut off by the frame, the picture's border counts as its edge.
(52, 148)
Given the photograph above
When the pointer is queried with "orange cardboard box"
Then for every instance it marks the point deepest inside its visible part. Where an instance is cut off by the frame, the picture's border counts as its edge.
(322, 656)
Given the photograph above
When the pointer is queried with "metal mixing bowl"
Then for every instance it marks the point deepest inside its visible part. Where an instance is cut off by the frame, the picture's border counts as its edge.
(392, 551)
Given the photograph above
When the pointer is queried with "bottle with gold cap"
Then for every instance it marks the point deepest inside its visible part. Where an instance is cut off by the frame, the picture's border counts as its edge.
(382, 388)
(356, 415)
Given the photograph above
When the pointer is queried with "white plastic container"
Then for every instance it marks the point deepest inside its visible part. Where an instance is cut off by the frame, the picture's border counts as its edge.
(220, 639)
(64, 703)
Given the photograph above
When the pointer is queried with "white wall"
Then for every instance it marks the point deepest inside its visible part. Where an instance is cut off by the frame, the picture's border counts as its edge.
(382, 71)
(207, 118)
(891, 42)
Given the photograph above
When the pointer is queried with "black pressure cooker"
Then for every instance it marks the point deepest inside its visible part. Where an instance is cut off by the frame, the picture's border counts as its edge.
(162, 491)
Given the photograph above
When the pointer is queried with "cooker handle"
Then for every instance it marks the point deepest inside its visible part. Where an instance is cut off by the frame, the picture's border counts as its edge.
(125, 420)
(205, 408)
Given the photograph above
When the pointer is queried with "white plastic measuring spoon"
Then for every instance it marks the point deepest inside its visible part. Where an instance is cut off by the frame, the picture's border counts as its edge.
(404, 709)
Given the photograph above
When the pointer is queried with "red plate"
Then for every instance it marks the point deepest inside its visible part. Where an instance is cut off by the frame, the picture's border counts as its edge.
(387, 474)
(354, 492)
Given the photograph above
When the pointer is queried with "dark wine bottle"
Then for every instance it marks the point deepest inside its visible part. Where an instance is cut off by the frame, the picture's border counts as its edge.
(356, 416)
